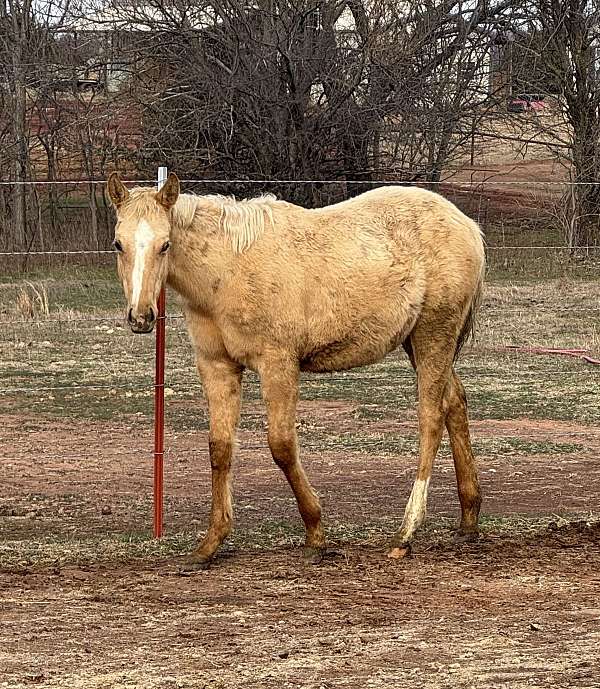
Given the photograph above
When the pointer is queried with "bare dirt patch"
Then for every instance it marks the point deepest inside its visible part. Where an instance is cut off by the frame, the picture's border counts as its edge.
(500, 614)
(517, 609)
(64, 474)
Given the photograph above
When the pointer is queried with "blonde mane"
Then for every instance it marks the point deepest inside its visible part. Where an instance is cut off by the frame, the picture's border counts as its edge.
(243, 221)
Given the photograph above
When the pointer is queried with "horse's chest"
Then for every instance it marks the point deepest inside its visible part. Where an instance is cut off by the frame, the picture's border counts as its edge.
(244, 336)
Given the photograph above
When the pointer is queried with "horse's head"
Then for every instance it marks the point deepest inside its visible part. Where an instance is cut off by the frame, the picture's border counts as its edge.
(142, 242)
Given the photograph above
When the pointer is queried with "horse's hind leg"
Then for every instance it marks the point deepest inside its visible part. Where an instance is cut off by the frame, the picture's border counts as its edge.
(280, 391)
(457, 423)
(433, 363)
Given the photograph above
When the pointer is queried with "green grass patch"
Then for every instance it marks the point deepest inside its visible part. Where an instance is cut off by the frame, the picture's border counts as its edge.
(501, 385)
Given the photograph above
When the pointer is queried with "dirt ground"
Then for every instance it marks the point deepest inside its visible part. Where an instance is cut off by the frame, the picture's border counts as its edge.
(517, 609)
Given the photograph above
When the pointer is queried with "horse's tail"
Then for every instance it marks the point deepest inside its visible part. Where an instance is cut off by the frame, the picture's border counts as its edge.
(468, 330)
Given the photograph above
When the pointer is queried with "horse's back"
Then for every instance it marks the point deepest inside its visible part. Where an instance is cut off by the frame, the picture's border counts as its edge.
(424, 227)
(344, 285)
(406, 211)
(394, 238)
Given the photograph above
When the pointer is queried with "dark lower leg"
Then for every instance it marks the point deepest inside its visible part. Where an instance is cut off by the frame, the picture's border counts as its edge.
(285, 454)
(221, 381)
(467, 481)
(221, 514)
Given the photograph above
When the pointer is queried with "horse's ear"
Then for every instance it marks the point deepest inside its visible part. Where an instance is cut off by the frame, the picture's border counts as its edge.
(169, 192)
(116, 190)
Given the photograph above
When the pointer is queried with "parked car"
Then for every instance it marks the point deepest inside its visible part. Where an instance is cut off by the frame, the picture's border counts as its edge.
(525, 102)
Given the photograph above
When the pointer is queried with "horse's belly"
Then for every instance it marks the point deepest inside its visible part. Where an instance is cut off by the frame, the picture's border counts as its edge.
(364, 329)
(345, 354)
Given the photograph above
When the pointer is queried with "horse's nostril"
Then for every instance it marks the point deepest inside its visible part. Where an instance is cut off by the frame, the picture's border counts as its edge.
(130, 315)
(151, 317)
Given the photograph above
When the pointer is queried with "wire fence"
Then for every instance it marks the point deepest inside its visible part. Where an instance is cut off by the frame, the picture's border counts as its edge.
(43, 383)
(75, 218)
(41, 234)
(383, 181)
(515, 247)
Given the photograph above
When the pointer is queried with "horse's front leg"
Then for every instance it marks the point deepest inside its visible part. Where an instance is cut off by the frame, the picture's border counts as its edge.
(279, 381)
(222, 384)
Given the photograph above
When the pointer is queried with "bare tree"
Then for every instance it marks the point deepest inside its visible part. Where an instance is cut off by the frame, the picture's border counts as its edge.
(52, 122)
(561, 39)
(350, 90)
(25, 45)
(17, 33)
(285, 89)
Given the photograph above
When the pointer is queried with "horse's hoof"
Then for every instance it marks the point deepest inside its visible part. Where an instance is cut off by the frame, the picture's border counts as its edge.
(194, 563)
(466, 536)
(400, 552)
(314, 556)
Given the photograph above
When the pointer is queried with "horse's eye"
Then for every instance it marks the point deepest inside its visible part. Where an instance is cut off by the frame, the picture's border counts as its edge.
(118, 246)
(164, 247)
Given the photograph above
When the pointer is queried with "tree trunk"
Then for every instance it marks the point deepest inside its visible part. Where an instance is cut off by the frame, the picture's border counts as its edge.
(87, 152)
(586, 165)
(20, 135)
(52, 194)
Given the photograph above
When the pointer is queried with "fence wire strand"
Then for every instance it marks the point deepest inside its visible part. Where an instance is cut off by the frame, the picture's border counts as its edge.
(528, 247)
(119, 320)
(402, 182)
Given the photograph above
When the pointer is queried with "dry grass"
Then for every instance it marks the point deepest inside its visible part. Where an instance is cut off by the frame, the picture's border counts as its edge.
(506, 141)
(32, 301)
(558, 312)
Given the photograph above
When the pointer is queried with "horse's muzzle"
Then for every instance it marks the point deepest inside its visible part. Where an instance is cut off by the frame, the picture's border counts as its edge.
(143, 323)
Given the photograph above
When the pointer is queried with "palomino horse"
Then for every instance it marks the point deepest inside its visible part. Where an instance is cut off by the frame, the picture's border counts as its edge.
(280, 289)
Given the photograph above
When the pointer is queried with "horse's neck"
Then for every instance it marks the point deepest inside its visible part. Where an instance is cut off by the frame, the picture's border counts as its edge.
(198, 258)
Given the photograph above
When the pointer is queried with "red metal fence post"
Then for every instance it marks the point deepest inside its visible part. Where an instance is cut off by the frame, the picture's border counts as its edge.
(159, 400)
(159, 416)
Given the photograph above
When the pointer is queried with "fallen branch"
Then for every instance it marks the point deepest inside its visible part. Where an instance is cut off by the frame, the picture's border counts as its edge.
(582, 354)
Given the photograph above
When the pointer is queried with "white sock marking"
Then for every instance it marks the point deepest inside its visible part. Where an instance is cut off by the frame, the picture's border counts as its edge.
(415, 509)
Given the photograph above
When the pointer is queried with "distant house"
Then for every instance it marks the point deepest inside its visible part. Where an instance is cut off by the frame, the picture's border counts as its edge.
(72, 115)
(116, 30)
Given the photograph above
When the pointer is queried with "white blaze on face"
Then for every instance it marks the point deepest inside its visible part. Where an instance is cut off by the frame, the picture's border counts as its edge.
(143, 239)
